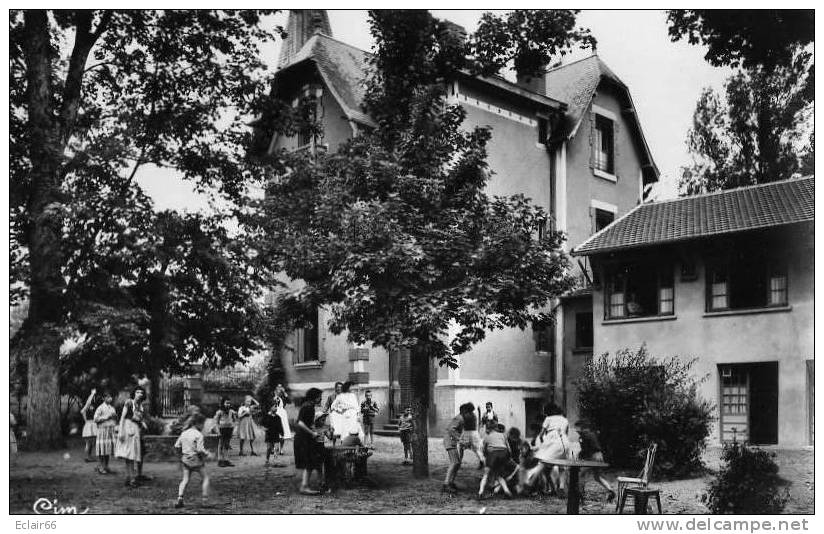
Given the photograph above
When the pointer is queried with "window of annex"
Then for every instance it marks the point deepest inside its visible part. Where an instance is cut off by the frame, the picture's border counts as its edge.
(745, 279)
(636, 290)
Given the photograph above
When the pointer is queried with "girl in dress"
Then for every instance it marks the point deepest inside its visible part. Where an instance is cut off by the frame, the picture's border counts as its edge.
(129, 445)
(246, 426)
(105, 417)
(551, 444)
(89, 427)
(12, 437)
(281, 400)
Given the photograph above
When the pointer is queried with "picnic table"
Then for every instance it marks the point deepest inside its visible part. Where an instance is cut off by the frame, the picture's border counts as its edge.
(574, 466)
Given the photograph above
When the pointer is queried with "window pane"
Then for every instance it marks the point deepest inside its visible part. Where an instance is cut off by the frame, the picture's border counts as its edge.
(666, 300)
(778, 290)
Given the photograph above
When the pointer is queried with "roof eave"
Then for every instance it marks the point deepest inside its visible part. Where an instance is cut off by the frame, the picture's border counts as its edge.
(622, 248)
(513, 88)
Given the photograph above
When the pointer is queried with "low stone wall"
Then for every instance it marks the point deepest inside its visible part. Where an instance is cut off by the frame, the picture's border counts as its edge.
(161, 448)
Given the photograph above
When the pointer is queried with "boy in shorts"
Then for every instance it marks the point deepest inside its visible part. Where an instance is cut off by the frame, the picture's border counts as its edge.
(452, 444)
(193, 455)
(496, 456)
(405, 426)
(225, 419)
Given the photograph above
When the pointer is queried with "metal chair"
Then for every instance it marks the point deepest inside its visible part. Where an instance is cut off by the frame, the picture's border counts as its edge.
(641, 481)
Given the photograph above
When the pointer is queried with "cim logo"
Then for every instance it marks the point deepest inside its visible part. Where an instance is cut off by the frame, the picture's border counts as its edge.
(45, 506)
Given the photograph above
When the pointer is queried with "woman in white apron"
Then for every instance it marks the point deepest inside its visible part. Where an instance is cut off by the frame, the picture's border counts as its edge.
(343, 414)
(281, 400)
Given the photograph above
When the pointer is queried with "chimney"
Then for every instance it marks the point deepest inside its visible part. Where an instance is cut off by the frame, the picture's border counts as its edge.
(536, 84)
(301, 25)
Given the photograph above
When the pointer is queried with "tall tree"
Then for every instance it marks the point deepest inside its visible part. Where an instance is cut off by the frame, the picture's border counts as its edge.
(95, 96)
(761, 129)
(745, 37)
(394, 233)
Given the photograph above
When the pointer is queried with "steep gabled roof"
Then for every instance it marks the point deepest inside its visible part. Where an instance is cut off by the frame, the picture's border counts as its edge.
(343, 68)
(575, 83)
(701, 216)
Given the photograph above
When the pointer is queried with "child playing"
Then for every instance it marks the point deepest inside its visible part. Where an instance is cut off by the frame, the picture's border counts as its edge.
(308, 447)
(193, 454)
(452, 442)
(496, 454)
(470, 439)
(225, 418)
(369, 409)
(106, 419)
(405, 426)
(246, 425)
(274, 432)
(591, 450)
(89, 427)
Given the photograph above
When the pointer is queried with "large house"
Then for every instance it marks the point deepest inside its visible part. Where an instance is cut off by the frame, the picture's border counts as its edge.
(726, 278)
(570, 140)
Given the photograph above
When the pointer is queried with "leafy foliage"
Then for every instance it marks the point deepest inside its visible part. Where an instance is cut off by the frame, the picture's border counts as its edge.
(746, 37)
(761, 132)
(748, 483)
(394, 232)
(95, 97)
(633, 400)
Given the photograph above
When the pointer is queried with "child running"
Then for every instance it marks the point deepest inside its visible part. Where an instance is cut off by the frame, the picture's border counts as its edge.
(193, 455)
(405, 427)
(496, 455)
(225, 419)
(274, 432)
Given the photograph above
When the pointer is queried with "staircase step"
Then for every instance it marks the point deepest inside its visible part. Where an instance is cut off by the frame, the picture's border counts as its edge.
(388, 433)
(390, 427)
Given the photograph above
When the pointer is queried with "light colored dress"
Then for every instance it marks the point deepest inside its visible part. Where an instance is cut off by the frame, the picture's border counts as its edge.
(343, 415)
(89, 426)
(12, 437)
(128, 443)
(246, 427)
(553, 441)
(106, 419)
(280, 403)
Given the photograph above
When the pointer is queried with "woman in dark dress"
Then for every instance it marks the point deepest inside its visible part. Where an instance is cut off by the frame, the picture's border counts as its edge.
(308, 448)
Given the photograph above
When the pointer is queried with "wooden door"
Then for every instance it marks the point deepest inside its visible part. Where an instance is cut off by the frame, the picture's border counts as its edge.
(734, 403)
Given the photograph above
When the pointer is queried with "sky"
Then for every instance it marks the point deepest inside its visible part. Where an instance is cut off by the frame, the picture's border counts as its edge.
(664, 78)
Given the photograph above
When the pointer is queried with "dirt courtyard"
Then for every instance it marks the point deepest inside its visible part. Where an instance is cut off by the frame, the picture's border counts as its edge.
(251, 488)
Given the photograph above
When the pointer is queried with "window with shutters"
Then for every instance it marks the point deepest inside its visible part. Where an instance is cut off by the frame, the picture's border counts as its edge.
(603, 145)
(304, 343)
(746, 279)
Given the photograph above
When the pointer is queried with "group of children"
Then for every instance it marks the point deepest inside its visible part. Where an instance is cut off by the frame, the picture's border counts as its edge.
(275, 424)
(508, 459)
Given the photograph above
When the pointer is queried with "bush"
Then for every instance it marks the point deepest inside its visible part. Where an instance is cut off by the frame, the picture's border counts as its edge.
(155, 426)
(633, 400)
(747, 484)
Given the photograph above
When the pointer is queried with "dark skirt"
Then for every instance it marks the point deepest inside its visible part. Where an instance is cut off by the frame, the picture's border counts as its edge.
(308, 452)
(497, 460)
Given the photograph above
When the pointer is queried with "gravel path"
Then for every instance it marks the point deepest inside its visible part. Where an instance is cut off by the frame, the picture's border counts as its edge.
(251, 488)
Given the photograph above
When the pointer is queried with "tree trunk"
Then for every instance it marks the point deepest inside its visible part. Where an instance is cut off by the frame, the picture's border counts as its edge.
(160, 350)
(43, 428)
(44, 234)
(420, 365)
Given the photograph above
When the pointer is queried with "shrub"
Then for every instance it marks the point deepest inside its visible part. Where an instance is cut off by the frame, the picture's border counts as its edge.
(748, 483)
(633, 400)
(155, 426)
